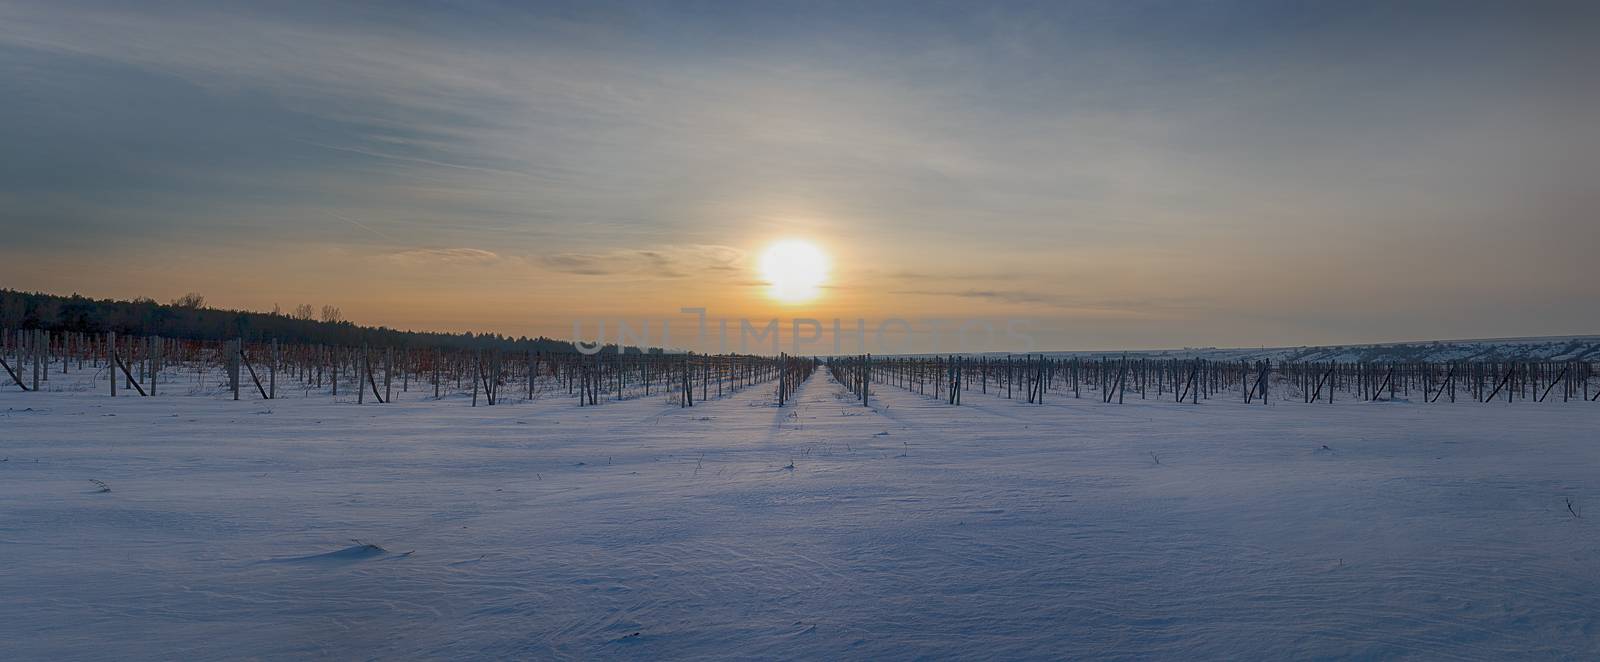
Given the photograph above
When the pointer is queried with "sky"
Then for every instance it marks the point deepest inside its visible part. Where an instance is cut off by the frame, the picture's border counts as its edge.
(1114, 175)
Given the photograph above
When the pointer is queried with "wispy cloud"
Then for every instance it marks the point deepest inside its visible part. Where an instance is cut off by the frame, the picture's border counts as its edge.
(664, 262)
(1151, 307)
(456, 256)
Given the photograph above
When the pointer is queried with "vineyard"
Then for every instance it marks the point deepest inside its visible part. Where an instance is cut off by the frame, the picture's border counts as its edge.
(151, 365)
(1114, 380)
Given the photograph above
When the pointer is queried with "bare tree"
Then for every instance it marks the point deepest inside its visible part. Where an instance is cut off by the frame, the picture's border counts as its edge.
(331, 314)
(304, 311)
(190, 300)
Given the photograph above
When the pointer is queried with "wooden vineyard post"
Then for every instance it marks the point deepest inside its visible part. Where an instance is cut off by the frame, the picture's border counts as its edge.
(24, 340)
(388, 373)
(1192, 388)
(1452, 385)
(1260, 385)
(1077, 364)
(235, 348)
(126, 358)
(372, 380)
(1504, 382)
(19, 345)
(1122, 379)
(34, 345)
(956, 379)
(486, 374)
(254, 378)
(491, 378)
(111, 359)
(1027, 374)
(14, 376)
(1039, 377)
(946, 378)
(866, 380)
(686, 390)
(272, 372)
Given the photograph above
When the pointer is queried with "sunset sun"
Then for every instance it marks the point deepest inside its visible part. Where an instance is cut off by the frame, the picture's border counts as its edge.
(794, 270)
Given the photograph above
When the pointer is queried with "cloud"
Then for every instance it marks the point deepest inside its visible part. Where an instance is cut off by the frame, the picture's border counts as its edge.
(957, 276)
(993, 295)
(672, 261)
(458, 256)
(1147, 307)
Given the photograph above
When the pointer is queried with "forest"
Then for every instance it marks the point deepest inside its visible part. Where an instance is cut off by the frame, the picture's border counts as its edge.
(189, 318)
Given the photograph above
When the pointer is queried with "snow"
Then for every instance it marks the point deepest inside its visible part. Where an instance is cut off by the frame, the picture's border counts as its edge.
(825, 530)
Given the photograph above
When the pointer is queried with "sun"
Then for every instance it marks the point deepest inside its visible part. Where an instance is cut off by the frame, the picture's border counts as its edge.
(795, 270)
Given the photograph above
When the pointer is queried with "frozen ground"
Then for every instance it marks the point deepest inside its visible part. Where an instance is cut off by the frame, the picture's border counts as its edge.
(826, 531)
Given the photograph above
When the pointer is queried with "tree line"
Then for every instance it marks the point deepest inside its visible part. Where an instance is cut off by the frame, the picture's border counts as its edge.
(189, 318)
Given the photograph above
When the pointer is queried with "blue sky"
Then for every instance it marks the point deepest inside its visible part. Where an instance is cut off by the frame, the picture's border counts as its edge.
(1133, 174)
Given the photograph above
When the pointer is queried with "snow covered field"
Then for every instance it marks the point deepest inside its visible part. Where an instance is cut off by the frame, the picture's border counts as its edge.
(824, 530)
